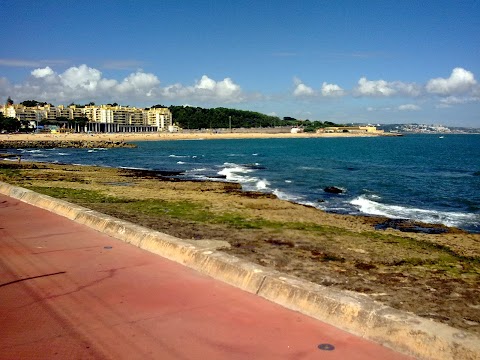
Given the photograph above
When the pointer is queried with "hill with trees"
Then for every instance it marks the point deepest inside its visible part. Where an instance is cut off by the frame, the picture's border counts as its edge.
(188, 117)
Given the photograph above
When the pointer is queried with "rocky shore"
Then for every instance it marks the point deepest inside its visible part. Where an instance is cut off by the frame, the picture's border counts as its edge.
(50, 144)
(434, 274)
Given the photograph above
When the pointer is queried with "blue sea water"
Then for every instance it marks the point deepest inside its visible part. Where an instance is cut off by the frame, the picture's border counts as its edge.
(420, 177)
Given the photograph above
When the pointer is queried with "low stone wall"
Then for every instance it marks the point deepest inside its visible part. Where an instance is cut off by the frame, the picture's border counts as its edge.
(51, 144)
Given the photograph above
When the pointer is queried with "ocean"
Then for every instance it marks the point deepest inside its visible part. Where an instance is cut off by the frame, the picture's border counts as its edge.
(421, 177)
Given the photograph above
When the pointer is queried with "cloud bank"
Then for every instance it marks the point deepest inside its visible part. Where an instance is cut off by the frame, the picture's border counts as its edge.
(84, 83)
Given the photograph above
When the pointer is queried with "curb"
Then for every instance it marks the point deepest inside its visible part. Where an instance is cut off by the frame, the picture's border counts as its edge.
(353, 312)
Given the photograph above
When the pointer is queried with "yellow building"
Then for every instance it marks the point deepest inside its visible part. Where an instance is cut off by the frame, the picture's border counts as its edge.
(102, 118)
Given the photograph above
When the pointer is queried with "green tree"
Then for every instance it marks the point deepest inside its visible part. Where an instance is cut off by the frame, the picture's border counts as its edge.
(9, 124)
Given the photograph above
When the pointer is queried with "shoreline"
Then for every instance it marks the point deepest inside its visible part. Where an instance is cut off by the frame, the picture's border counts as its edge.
(165, 136)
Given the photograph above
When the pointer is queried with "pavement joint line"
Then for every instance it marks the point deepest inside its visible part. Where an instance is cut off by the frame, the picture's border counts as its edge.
(260, 286)
(353, 312)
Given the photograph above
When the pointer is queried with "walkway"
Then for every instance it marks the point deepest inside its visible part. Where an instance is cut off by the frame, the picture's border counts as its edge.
(69, 292)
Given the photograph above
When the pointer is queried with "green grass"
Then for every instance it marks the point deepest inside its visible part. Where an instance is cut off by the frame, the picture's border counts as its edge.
(10, 174)
(77, 195)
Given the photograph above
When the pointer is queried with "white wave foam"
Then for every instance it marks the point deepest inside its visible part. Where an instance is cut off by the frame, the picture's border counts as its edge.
(177, 156)
(180, 162)
(288, 197)
(63, 154)
(238, 173)
(262, 185)
(447, 218)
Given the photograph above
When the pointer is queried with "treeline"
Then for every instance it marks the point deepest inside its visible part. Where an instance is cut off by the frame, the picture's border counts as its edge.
(188, 117)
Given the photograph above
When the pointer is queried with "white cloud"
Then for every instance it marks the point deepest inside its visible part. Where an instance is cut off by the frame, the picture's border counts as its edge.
(206, 89)
(81, 77)
(409, 107)
(301, 89)
(460, 81)
(41, 73)
(138, 83)
(409, 89)
(374, 88)
(332, 90)
(382, 88)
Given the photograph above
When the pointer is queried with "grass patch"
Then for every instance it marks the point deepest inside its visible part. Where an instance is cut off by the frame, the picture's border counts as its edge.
(78, 195)
(10, 174)
(178, 209)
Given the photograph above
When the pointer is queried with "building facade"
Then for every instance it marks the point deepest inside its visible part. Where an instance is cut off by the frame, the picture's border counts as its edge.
(101, 118)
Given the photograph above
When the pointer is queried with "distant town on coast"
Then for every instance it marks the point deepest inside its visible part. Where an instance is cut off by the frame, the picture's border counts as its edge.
(35, 116)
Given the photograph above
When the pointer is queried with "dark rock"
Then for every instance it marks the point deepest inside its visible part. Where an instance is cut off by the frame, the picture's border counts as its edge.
(333, 190)
(406, 225)
(52, 144)
(151, 174)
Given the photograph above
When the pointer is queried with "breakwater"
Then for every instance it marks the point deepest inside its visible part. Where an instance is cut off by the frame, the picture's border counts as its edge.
(51, 144)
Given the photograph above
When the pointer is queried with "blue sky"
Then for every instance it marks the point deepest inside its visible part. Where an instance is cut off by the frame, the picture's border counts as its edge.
(343, 61)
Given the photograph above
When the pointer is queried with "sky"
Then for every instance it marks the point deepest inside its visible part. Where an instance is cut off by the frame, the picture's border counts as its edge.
(344, 61)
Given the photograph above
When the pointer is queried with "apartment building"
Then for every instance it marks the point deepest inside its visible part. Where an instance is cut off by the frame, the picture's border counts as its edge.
(101, 118)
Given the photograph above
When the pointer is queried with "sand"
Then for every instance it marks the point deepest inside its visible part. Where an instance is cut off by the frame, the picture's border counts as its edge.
(207, 135)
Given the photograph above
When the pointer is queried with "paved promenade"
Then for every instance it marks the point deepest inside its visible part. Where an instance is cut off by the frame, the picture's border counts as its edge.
(70, 292)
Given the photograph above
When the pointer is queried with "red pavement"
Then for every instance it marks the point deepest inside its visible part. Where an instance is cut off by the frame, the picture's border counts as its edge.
(69, 292)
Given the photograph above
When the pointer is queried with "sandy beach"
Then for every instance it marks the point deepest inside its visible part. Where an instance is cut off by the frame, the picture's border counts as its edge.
(207, 135)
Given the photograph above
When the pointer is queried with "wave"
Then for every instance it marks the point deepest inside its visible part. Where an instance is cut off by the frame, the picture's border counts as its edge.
(448, 218)
(178, 156)
(180, 162)
(238, 173)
